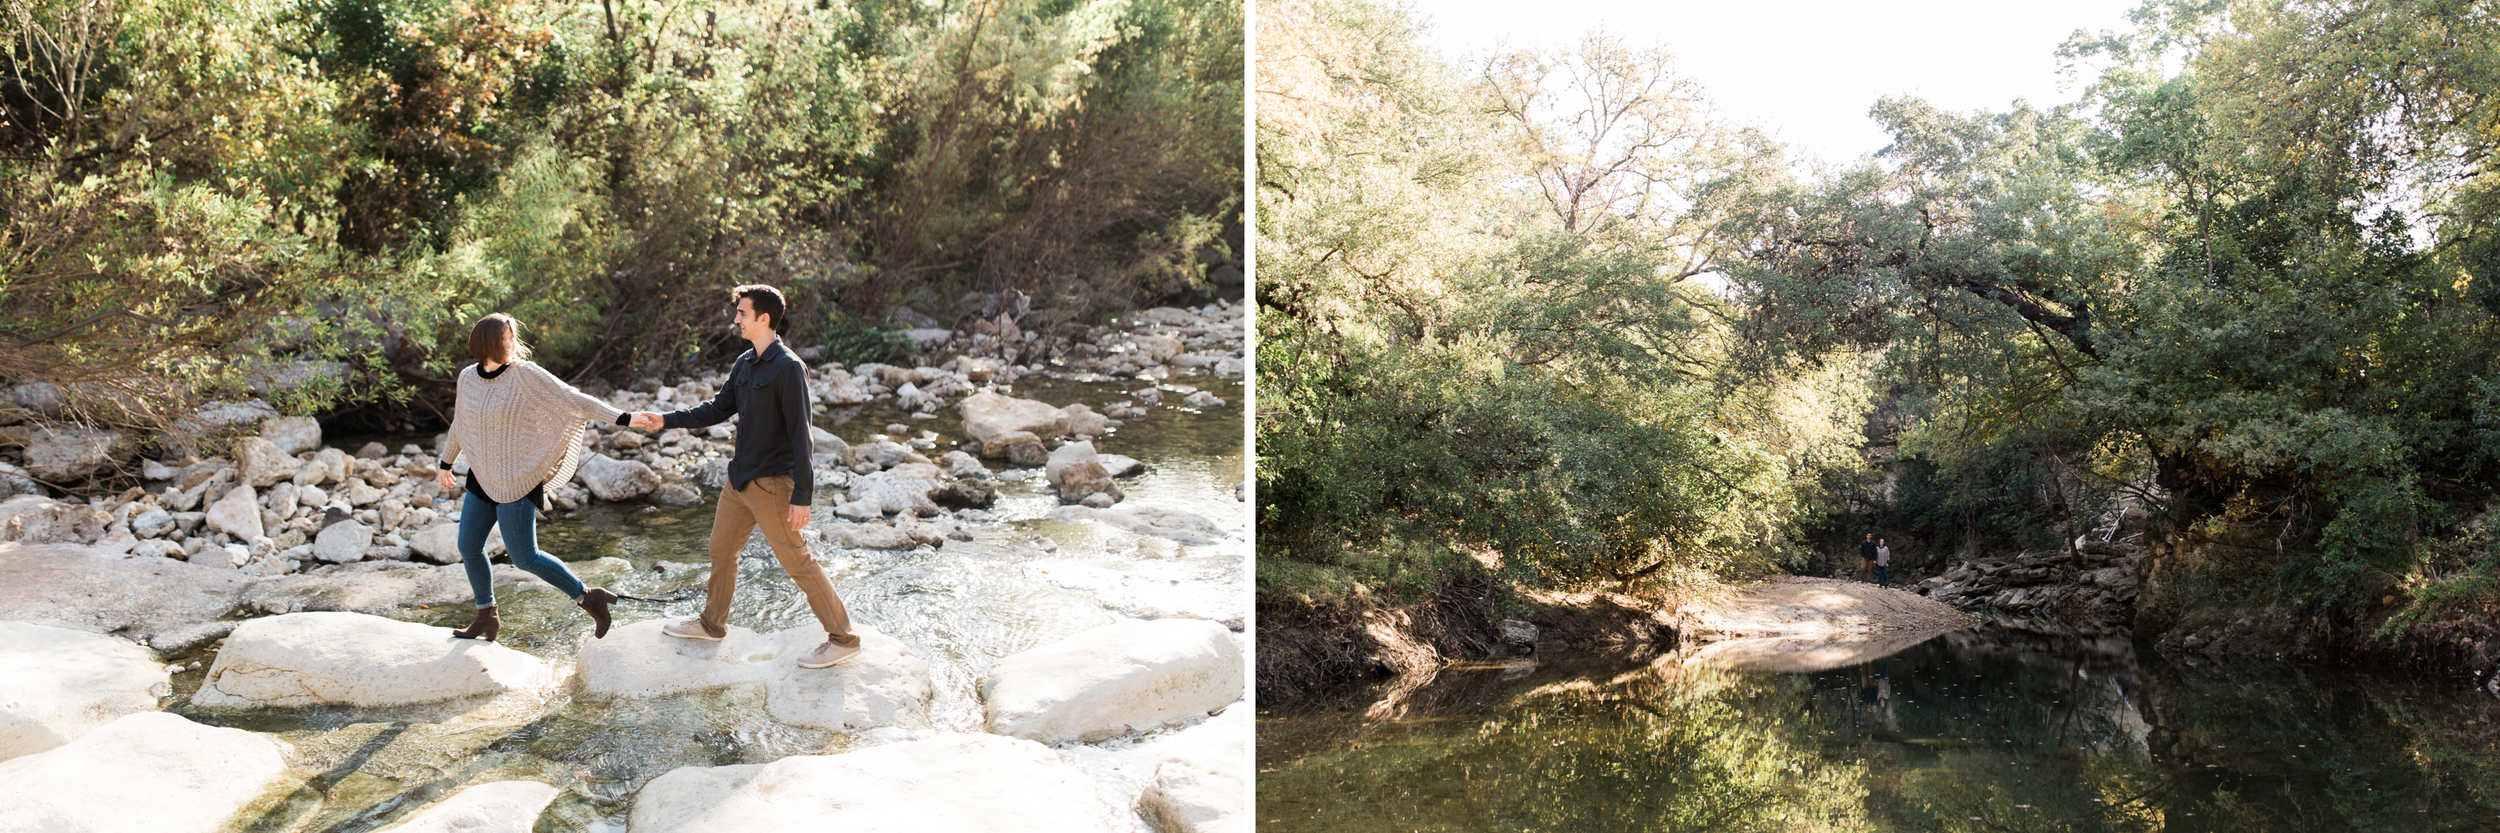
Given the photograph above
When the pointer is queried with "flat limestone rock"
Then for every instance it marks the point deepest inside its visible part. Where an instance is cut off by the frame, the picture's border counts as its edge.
(886, 685)
(1173, 524)
(1203, 782)
(355, 659)
(638, 661)
(149, 772)
(498, 807)
(948, 784)
(64, 683)
(1114, 679)
(368, 587)
(988, 414)
(164, 604)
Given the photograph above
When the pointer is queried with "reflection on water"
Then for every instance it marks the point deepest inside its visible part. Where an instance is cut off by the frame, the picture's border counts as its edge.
(1966, 731)
(1023, 581)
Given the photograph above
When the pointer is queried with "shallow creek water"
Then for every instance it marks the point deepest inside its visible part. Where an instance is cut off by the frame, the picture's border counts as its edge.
(1979, 730)
(1024, 581)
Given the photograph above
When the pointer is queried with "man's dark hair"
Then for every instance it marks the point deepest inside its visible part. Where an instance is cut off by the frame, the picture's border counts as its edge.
(767, 301)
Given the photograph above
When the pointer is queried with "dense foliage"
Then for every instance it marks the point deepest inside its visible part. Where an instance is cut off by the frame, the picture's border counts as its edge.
(199, 198)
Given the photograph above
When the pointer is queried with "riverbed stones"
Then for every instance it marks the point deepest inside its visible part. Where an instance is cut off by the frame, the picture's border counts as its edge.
(237, 513)
(355, 659)
(71, 453)
(64, 683)
(1077, 475)
(496, 807)
(886, 685)
(914, 787)
(867, 536)
(613, 479)
(263, 463)
(167, 605)
(1114, 679)
(149, 772)
(342, 542)
(35, 519)
(903, 489)
(1201, 786)
(292, 435)
(988, 414)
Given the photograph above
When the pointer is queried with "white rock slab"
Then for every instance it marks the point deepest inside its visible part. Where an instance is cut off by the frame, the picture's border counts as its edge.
(497, 807)
(886, 685)
(1203, 783)
(356, 659)
(639, 661)
(949, 784)
(149, 772)
(168, 605)
(1114, 679)
(987, 414)
(62, 684)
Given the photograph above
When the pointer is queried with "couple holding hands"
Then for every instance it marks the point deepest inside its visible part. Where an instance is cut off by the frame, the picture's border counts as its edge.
(522, 429)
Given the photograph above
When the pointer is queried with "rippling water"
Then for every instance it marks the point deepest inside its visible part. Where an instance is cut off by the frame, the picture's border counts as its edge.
(1969, 731)
(1023, 581)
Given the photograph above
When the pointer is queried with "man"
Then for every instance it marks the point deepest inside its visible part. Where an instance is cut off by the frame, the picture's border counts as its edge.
(1883, 563)
(771, 480)
(1866, 558)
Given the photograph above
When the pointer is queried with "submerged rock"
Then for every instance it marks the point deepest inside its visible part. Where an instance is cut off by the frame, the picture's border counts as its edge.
(149, 772)
(1173, 524)
(949, 784)
(355, 659)
(63, 684)
(1114, 679)
(497, 807)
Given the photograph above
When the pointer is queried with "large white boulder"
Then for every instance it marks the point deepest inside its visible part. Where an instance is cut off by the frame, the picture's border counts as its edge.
(497, 807)
(292, 435)
(149, 772)
(614, 479)
(64, 683)
(949, 784)
(342, 542)
(1114, 679)
(1203, 783)
(36, 519)
(356, 659)
(639, 661)
(987, 414)
(237, 514)
(167, 605)
(263, 463)
(902, 489)
(886, 685)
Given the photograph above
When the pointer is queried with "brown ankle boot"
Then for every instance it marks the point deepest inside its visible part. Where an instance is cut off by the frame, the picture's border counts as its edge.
(596, 601)
(482, 628)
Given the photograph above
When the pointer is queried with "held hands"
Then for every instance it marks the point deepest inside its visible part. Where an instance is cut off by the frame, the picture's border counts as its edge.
(647, 421)
(798, 518)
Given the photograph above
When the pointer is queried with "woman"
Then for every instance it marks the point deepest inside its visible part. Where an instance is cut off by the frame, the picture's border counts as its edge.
(522, 429)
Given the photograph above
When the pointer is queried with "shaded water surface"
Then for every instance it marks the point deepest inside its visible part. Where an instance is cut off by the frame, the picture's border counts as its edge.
(1968, 731)
(1023, 581)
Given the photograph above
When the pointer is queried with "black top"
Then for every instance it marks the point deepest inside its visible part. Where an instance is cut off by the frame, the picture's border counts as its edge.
(768, 394)
(538, 494)
(1866, 550)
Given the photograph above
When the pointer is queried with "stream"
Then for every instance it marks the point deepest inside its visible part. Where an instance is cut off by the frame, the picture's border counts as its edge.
(1976, 730)
(1023, 581)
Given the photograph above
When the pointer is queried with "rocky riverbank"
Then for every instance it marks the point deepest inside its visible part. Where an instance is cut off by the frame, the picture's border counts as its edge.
(154, 628)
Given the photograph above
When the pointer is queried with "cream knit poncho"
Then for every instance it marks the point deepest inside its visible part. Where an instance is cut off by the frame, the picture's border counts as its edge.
(521, 428)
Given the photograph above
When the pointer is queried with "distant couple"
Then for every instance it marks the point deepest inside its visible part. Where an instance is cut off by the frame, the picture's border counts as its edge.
(522, 429)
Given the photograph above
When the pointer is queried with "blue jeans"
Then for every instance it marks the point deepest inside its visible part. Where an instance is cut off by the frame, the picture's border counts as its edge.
(1882, 577)
(519, 520)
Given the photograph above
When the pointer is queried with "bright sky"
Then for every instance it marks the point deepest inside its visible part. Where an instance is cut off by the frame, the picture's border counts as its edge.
(1807, 70)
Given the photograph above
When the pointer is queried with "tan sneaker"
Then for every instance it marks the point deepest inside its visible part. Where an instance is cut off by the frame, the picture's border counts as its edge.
(828, 654)
(689, 629)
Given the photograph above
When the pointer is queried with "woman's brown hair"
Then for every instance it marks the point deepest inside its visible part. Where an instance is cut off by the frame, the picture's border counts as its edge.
(486, 340)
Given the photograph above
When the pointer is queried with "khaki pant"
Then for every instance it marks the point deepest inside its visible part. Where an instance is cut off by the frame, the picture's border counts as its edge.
(765, 503)
(1866, 568)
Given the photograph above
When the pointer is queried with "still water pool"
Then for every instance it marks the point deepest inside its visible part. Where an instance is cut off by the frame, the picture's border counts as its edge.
(1981, 730)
